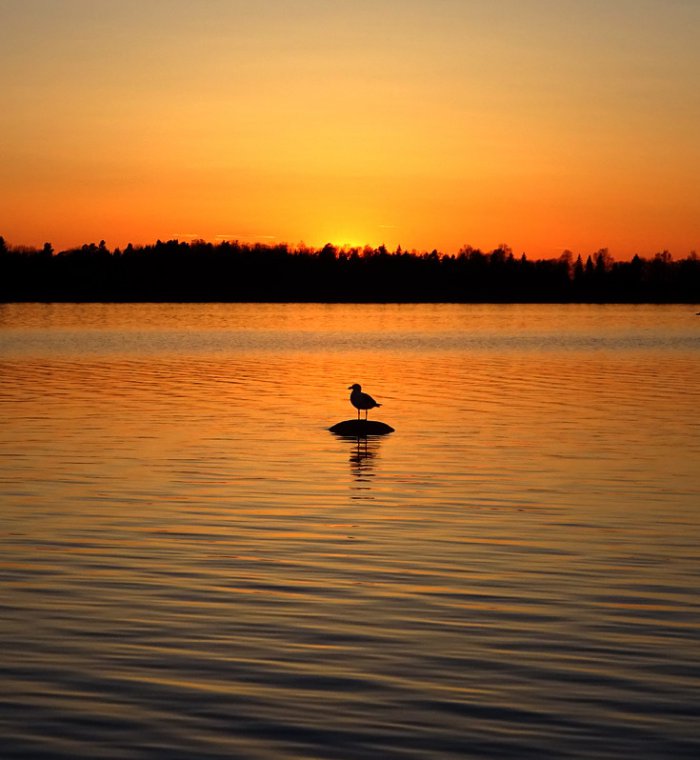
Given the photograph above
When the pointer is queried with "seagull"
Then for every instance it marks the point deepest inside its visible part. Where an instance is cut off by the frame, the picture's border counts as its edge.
(361, 400)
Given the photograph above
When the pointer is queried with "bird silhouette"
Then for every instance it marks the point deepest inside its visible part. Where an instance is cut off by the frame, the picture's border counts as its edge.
(361, 400)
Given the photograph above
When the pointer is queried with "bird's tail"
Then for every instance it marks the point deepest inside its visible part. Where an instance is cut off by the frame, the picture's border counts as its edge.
(378, 404)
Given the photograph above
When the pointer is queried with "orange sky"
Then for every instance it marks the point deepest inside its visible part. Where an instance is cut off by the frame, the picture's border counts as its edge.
(544, 124)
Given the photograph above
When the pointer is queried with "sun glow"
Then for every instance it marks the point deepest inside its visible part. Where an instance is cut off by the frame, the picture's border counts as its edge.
(345, 241)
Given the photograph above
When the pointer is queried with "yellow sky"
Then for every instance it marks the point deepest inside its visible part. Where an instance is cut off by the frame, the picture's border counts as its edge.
(544, 124)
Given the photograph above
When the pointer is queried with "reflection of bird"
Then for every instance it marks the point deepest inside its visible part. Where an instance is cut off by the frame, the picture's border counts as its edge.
(361, 400)
(362, 464)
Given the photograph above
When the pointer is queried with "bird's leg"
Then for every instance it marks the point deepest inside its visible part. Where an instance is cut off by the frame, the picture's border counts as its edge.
(358, 415)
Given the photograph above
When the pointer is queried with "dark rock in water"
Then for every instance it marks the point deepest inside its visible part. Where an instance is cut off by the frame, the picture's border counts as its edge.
(361, 428)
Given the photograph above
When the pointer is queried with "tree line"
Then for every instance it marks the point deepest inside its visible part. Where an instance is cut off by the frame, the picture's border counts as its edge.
(233, 271)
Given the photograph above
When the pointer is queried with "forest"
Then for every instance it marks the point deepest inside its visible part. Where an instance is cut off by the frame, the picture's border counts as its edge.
(233, 271)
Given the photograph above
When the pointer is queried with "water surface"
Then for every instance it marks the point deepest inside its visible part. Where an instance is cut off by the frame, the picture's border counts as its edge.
(194, 567)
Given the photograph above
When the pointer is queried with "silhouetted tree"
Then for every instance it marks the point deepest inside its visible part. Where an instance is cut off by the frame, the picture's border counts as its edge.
(231, 271)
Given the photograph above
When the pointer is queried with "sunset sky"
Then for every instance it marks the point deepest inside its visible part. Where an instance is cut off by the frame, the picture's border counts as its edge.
(543, 124)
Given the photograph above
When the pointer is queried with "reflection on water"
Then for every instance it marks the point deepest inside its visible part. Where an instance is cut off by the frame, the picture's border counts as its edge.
(194, 567)
(363, 452)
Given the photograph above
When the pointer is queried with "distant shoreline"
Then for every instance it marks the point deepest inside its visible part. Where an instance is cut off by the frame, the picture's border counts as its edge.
(233, 272)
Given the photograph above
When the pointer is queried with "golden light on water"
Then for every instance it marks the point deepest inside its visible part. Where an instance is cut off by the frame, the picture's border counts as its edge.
(192, 561)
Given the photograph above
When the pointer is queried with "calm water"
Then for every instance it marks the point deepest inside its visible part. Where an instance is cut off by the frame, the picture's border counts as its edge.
(193, 567)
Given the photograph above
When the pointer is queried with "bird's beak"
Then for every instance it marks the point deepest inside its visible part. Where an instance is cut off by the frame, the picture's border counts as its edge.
(349, 387)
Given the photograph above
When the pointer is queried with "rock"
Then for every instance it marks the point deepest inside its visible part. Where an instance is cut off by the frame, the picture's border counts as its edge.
(361, 428)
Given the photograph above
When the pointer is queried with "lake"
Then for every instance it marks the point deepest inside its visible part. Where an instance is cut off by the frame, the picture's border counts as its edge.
(193, 567)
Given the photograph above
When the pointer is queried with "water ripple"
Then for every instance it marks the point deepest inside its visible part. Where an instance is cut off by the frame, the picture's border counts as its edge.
(194, 567)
